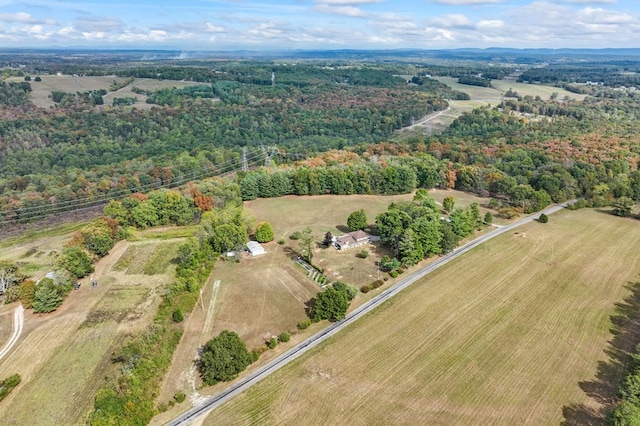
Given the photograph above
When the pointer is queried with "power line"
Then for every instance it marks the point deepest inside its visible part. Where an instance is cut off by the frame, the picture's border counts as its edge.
(141, 188)
(36, 212)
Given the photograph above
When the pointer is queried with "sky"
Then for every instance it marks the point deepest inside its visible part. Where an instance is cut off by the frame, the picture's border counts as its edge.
(319, 24)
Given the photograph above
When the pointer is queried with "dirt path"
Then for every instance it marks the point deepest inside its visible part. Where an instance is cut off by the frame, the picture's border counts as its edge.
(18, 324)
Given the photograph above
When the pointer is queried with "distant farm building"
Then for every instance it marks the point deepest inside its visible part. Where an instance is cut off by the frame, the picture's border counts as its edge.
(352, 239)
(255, 249)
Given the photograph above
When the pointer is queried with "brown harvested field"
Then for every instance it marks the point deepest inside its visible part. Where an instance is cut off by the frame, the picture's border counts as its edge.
(63, 356)
(41, 93)
(517, 331)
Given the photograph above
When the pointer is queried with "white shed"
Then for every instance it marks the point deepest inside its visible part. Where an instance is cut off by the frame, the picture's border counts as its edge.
(255, 249)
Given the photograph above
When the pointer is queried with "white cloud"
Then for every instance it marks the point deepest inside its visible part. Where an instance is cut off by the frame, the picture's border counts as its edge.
(490, 24)
(213, 28)
(451, 21)
(25, 18)
(465, 2)
(347, 2)
(98, 24)
(351, 11)
(588, 1)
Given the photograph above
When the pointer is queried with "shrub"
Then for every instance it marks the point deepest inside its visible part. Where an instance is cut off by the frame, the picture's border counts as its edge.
(272, 343)
(284, 337)
(178, 315)
(365, 289)
(400, 271)
(543, 218)
(27, 293)
(363, 254)
(281, 241)
(7, 385)
(393, 273)
(296, 235)
(255, 354)
(377, 283)
(12, 294)
(179, 397)
(304, 324)
(264, 232)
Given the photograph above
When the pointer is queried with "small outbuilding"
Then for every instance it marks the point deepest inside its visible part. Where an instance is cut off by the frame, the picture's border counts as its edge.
(255, 249)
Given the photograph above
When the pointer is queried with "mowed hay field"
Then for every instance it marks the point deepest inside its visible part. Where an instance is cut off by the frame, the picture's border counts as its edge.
(41, 94)
(510, 333)
(63, 356)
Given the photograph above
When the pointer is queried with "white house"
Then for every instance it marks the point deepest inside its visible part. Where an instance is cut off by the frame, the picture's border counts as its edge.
(255, 249)
(352, 239)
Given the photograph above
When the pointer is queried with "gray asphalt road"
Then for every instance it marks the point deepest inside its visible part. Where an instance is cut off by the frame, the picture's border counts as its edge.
(293, 353)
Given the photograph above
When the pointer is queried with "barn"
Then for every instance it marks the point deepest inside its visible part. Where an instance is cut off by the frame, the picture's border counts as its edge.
(255, 249)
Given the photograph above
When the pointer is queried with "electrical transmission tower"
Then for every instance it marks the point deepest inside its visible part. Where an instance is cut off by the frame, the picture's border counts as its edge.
(245, 163)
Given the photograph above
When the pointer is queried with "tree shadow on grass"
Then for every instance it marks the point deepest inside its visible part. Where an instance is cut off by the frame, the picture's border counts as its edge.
(603, 389)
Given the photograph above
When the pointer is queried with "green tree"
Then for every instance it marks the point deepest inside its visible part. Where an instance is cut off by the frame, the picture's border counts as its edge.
(264, 232)
(347, 289)
(27, 293)
(9, 275)
(144, 215)
(223, 358)
(76, 261)
(47, 297)
(391, 225)
(306, 244)
(331, 305)
(428, 234)
(420, 195)
(357, 220)
(97, 239)
(448, 203)
(228, 237)
(115, 210)
(622, 206)
(488, 219)
(409, 249)
(543, 218)
(449, 238)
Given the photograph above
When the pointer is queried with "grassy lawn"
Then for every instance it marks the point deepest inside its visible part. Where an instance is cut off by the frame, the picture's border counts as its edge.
(510, 333)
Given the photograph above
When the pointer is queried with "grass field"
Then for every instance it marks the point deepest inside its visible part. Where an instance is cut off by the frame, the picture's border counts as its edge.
(483, 96)
(518, 331)
(63, 356)
(41, 94)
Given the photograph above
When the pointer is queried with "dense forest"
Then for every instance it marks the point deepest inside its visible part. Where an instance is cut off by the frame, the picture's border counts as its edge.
(526, 151)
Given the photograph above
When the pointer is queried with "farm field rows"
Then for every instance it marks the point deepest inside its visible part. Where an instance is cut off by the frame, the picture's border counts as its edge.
(63, 356)
(515, 332)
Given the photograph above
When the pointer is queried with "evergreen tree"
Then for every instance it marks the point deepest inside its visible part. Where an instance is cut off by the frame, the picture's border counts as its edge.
(47, 297)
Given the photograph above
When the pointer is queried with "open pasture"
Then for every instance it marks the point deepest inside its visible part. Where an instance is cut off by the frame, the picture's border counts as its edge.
(41, 94)
(515, 332)
(64, 356)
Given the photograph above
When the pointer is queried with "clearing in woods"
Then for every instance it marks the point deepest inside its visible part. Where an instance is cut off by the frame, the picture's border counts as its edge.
(63, 356)
(483, 96)
(517, 331)
(263, 296)
(41, 94)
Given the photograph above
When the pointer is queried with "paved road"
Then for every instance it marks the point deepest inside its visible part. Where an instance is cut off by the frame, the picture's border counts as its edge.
(18, 323)
(295, 352)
